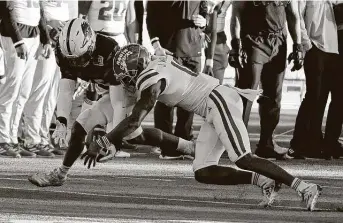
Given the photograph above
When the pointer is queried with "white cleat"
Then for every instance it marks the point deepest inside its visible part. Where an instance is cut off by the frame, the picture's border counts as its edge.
(310, 196)
(270, 192)
(46, 180)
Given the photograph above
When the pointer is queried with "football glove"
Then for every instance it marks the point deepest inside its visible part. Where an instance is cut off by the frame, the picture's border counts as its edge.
(297, 56)
(237, 56)
(81, 87)
(59, 137)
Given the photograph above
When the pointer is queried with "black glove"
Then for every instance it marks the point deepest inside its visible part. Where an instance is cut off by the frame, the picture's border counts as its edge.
(297, 56)
(237, 56)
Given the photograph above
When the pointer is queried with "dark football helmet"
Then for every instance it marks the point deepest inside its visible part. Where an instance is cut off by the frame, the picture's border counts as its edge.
(129, 62)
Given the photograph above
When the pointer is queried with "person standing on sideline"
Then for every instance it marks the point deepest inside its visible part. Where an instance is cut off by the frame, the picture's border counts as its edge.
(175, 27)
(23, 29)
(41, 104)
(259, 52)
(319, 40)
(217, 50)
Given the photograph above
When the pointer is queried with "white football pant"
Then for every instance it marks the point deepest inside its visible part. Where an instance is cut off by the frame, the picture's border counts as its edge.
(15, 92)
(222, 130)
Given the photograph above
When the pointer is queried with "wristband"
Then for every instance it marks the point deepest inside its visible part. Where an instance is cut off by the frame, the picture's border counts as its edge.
(154, 40)
(209, 62)
(297, 47)
(18, 43)
(103, 142)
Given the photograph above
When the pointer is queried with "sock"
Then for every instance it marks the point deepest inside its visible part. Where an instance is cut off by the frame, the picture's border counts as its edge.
(186, 147)
(63, 170)
(299, 185)
(259, 180)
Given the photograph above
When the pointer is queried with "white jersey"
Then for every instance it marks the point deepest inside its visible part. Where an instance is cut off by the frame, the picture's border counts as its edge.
(26, 12)
(222, 16)
(56, 10)
(184, 88)
(108, 16)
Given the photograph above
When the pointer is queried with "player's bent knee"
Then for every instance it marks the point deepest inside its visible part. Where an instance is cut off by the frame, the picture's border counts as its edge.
(204, 175)
(78, 132)
(245, 162)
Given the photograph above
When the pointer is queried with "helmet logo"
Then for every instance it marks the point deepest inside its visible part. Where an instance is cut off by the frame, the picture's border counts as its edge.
(122, 57)
(87, 32)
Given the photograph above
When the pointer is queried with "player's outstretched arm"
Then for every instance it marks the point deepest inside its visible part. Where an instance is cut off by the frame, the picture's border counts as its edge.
(141, 109)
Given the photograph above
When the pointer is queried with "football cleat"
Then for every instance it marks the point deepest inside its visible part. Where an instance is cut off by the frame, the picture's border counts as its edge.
(270, 192)
(46, 180)
(310, 196)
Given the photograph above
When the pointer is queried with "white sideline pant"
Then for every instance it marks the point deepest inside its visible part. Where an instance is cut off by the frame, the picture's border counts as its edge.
(41, 104)
(15, 92)
(2, 63)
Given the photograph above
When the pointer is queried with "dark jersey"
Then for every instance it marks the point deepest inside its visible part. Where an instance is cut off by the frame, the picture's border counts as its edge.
(99, 70)
(264, 16)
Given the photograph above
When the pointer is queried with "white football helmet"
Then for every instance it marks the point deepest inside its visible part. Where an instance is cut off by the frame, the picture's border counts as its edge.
(77, 42)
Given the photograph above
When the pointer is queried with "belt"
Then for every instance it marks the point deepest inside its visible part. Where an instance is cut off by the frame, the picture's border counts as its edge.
(269, 35)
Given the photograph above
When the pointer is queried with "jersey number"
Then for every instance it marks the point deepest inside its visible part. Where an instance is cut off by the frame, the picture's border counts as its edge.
(32, 3)
(118, 12)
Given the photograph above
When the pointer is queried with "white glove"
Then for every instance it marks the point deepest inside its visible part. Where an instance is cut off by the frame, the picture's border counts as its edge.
(199, 20)
(80, 88)
(59, 137)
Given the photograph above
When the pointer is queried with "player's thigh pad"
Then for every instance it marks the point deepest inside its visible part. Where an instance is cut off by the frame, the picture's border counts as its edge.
(226, 107)
(208, 149)
(100, 114)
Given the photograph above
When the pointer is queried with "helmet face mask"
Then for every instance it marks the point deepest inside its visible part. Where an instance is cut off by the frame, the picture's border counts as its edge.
(129, 62)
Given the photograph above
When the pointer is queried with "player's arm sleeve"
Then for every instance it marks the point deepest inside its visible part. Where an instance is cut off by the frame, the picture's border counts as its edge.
(65, 99)
(84, 7)
(43, 28)
(10, 23)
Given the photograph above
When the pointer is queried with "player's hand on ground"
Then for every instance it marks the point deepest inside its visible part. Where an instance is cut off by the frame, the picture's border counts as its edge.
(199, 20)
(59, 137)
(47, 51)
(91, 155)
(22, 51)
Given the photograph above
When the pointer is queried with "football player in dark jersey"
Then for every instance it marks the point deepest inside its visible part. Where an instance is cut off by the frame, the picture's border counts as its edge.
(83, 54)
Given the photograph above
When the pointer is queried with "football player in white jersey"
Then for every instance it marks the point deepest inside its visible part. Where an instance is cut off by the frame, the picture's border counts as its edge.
(221, 106)
(41, 104)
